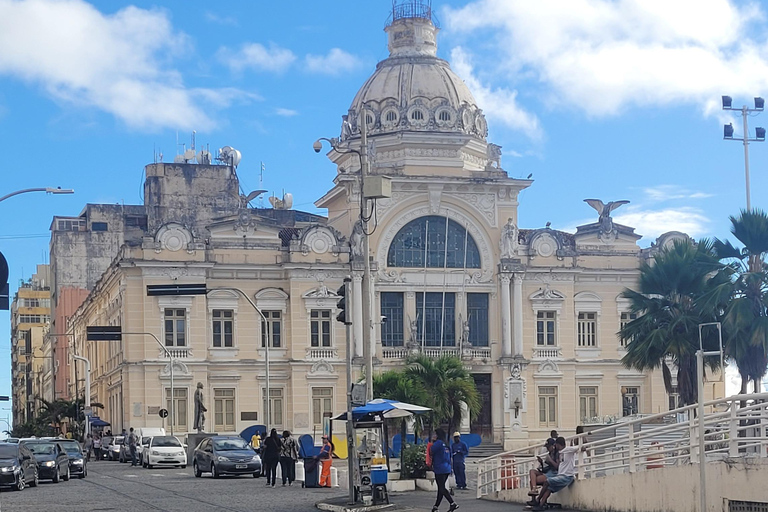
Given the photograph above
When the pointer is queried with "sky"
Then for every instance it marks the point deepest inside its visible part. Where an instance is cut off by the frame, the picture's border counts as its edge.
(608, 99)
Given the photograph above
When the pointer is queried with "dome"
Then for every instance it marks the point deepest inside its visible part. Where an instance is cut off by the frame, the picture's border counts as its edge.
(413, 89)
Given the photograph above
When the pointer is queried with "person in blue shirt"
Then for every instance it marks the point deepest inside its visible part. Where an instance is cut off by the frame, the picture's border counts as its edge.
(459, 450)
(441, 465)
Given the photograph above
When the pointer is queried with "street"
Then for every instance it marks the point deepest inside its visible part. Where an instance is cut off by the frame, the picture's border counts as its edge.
(111, 486)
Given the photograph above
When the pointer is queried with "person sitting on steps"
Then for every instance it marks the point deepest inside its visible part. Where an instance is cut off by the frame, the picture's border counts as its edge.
(547, 467)
(565, 472)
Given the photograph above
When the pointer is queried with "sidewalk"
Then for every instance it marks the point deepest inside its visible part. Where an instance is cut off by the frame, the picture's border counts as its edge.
(422, 501)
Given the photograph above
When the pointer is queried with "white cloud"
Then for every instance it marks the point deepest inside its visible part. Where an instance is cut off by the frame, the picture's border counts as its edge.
(673, 192)
(258, 57)
(499, 104)
(653, 222)
(335, 62)
(286, 112)
(605, 56)
(221, 19)
(118, 63)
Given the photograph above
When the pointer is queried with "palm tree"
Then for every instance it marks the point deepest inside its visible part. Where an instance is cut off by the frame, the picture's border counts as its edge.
(669, 308)
(396, 385)
(746, 316)
(447, 384)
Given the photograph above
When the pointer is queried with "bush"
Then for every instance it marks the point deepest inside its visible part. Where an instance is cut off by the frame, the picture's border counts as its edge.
(414, 464)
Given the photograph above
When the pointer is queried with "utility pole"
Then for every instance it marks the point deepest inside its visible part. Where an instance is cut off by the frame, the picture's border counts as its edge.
(759, 132)
(368, 334)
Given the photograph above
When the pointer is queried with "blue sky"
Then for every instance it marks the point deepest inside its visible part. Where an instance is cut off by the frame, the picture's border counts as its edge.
(595, 98)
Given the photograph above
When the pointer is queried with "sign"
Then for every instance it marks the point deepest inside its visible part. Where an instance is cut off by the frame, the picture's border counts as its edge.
(103, 333)
(87, 411)
(4, 398)
(358, 394)
(163, 413)
(155, 290)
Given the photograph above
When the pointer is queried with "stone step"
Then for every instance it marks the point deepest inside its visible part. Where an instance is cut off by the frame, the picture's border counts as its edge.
(485, 450)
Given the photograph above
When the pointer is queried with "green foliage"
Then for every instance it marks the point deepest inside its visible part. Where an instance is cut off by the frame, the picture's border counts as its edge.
(37, 427)
(414, 464)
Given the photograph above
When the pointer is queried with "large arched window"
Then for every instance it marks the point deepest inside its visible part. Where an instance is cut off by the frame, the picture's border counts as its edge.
(428, 235)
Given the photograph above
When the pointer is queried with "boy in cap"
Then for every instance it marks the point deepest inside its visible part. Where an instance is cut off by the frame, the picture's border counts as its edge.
(459, 452)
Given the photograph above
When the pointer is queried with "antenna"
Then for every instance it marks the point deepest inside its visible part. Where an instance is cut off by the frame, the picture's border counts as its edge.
(261, 184)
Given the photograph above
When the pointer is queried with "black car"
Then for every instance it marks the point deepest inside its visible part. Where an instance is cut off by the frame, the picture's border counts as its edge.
(77, 463)
(17, 467)
(226, 455)
(52, 460)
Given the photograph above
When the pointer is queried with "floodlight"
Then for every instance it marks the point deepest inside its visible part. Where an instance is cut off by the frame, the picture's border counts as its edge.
(759, 103)
(760, 133)
(728, 131)
(727, 101)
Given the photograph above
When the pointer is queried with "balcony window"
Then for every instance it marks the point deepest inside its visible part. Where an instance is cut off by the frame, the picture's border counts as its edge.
(320, 327)
(436, 319)
(587, 330)
(545, 328)
(275, 319)
(392, 331)
(477, 316)
(223, 328)
(175, 327)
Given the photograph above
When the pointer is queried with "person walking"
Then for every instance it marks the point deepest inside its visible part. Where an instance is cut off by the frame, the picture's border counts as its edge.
(326, 460)
(97, 447)
(271, 449)
(459, 450)
(441, 465)
(289, 454)
(88, 447)
(256, 441)
(132, 441)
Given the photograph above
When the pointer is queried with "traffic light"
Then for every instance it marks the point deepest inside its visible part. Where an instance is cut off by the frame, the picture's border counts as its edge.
(342, 304)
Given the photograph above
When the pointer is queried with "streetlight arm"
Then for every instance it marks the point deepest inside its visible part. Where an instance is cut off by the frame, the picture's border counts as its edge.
(49, 190)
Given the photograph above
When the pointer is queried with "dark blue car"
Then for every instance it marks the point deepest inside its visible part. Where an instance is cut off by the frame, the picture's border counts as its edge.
(17, 467)
(226, 455)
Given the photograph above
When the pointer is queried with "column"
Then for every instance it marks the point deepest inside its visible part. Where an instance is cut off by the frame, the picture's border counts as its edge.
(506, 325)
(517, 297)
(357, 314)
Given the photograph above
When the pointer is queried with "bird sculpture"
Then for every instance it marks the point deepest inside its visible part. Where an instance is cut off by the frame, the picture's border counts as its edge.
(605, 220)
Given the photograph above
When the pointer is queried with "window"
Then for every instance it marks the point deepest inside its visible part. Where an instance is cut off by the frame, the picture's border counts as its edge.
(545, 328)
(587, 402)
(70, 225)
(440, 326)
(547, 406)
(422, 243)
(391, 116)
(477, 316)
(275, 328)
(136, 221)
(587, 330)
(392, 331)
(36, 303)
(223, 328)
(224, 409)
(175, 327)
(34, 319)
(180, 402)
(675, 400)
(320, 327)
(275, 405)
(322, 405)
(417, 115)
(629, 400)
(444, 116)
(98, 226)
(626, 317)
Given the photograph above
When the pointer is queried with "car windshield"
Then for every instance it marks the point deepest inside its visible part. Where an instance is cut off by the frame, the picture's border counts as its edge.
(71, 447)
(41, 448)
(146, 441)
(230, 444)
(166, 441)
(119, 440)
(8, 452)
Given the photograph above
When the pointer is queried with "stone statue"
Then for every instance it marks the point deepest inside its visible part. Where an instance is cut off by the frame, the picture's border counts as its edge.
(346, 128)
(199, 409)
(605, 220)
(508, 242)
(465, 330)
(356, 241)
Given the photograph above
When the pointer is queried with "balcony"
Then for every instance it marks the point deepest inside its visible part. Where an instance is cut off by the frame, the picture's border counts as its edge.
(322, 353)
(547, 353)
(177, 353)
(395, 352)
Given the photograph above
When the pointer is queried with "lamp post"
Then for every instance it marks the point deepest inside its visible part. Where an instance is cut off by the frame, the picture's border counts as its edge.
(47, 190)
(700, 389)
(759, 134)
(87, 391)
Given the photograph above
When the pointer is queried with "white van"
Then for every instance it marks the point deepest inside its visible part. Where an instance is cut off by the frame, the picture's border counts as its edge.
(145, 434)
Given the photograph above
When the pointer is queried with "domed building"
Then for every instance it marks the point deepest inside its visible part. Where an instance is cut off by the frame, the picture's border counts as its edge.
(532, 313)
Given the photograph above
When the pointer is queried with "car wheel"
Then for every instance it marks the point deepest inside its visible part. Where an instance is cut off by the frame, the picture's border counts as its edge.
(66, 475)
(256, 475)
(214, 471)
(196, 468)
(35, 480)
(150, 466)
(20, 484)
(57, 476)
(183, 466)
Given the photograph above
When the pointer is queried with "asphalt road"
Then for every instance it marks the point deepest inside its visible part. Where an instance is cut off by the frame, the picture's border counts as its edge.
(115, 487)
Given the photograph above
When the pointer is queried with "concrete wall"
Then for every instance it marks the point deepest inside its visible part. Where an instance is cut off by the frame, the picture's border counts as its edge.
(661, 490)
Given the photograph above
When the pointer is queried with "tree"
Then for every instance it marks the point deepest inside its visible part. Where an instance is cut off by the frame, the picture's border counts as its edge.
(55, 412)
(746, 314)
(396, 385)
(669, 305)
(447, 384)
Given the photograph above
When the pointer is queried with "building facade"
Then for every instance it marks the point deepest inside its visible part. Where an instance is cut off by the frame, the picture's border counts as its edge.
(30, 368)
(533, 313)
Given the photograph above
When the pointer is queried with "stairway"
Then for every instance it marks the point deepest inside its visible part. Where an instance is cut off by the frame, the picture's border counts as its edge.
(485, 450)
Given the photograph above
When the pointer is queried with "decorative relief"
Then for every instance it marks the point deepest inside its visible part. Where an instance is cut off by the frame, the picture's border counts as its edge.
(391, 276)
(322, 368)
(179, 370)
(319, 240)
(245, 223)
(486, 204)
(172, 237)
(544, 245)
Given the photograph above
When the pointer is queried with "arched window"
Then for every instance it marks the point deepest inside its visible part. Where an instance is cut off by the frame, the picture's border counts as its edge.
(422, 242)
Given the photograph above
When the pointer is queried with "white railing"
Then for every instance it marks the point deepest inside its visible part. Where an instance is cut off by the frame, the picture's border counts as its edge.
(177, 353)
(648, 443)
(547, 352)
(477, 353)
(322, 353)
(394, 352)
(438, 351)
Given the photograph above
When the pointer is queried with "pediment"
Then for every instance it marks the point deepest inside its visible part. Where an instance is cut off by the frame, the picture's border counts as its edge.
(546, 293)
(244, 225)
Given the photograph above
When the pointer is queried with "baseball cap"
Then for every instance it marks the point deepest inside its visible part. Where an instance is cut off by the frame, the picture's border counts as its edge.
(456, 434)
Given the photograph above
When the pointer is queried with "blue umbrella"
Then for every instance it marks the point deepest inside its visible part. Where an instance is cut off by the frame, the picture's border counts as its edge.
(388, 409)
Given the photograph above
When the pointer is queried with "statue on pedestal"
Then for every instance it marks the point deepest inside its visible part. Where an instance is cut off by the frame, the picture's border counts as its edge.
(200, 409)
(508, 243)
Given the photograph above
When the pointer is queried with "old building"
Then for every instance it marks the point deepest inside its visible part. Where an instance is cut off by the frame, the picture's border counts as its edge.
(533, 313)
(30, 368)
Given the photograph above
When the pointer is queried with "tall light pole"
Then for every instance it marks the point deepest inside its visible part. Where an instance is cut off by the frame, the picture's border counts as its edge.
(759, 134)
(87, 392)
(702, 432)
(48, 190)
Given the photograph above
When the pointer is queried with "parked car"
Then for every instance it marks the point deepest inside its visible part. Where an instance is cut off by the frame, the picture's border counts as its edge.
(106, 441)
(165, 451)
(145, 434)
(77, 463)
(113, 448)
(52, 460)
(141, 448)
(226, 455)
(17, 466)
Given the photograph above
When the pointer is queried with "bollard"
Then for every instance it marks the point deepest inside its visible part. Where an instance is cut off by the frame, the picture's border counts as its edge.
(334, 477)
(300, 477)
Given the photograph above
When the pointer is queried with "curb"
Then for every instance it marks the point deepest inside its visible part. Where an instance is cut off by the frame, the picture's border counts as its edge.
(330, 507)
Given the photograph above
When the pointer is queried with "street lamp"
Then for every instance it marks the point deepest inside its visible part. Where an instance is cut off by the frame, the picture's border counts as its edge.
(47, 190)
(759, 134)
(700, 378)
(87, 392)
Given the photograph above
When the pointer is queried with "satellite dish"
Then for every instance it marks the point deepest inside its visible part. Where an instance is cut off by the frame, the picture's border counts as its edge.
(230, 156)
(179, 159)
(204, 157)
(272, 201)
(282, 204)
(189, 155)
(287, 201)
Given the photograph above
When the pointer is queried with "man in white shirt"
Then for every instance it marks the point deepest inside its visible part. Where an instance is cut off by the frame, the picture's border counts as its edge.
(565, 472)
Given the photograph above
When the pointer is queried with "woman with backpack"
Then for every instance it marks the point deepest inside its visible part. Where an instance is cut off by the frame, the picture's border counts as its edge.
(271, 451)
